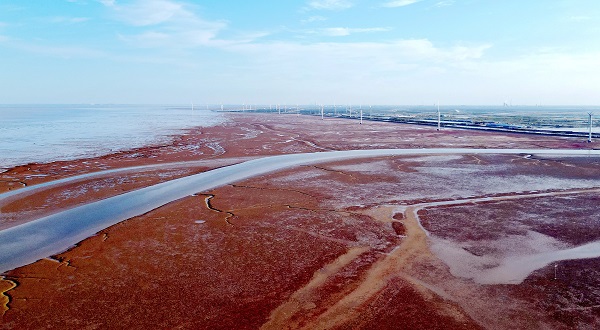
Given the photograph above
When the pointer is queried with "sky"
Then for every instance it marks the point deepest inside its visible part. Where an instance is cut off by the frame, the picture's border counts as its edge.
(413, 52)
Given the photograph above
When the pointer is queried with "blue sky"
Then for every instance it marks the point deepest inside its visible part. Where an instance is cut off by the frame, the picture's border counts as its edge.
(300, 51)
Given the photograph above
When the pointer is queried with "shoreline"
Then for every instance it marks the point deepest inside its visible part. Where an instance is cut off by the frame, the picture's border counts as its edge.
(176, 138)
(43, 134)
(139, 156)
(189, 139)
(274, 233)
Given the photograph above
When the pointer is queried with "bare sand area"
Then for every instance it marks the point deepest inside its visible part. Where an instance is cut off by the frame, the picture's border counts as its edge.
(355, 244)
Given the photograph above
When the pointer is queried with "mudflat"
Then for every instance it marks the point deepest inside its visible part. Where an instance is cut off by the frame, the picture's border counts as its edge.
(386, 242)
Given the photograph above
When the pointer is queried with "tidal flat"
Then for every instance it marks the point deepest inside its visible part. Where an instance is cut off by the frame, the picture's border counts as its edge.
(329, 245)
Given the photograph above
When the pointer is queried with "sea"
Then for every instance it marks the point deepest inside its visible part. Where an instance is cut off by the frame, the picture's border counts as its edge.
(46, 133)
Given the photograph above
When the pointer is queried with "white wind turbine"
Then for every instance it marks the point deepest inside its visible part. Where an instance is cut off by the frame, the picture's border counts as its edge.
(590, 114)
(361, 114)
(439, 122)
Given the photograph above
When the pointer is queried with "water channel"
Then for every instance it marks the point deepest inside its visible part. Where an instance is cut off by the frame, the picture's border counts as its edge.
(31, 241)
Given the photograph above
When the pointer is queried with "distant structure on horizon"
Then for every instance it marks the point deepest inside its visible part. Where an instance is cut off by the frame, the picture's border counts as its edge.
(590, 132)
(439, 123)
(361, 115)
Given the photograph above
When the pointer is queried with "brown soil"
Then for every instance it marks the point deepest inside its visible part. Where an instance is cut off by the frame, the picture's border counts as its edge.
(312, 247)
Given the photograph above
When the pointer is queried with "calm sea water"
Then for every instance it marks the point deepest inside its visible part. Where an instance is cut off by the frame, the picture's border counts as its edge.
(44, 133)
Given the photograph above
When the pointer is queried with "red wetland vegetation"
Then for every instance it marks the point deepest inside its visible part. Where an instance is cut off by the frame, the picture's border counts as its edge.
(386, 243)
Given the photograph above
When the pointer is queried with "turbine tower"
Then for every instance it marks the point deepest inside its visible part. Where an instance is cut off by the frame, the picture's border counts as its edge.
(590, 134)
(439, 116)
(322, 113)
(361, 113)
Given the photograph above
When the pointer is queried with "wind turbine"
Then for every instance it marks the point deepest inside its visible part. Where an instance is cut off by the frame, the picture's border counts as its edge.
(361, 113)
(439, 116)
(322, 112)
(590, 134)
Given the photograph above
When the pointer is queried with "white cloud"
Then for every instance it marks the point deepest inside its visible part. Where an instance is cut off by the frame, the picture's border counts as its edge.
(444, 3)
(340, 31)
(108, 3)
(579, 18)
(149, 12)
(548, 77)
(314, 19)
(385, 55)
(330, 4)
(399, 3)
(168, 23)
(69, 20)
(66, 52)
(338, 71)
